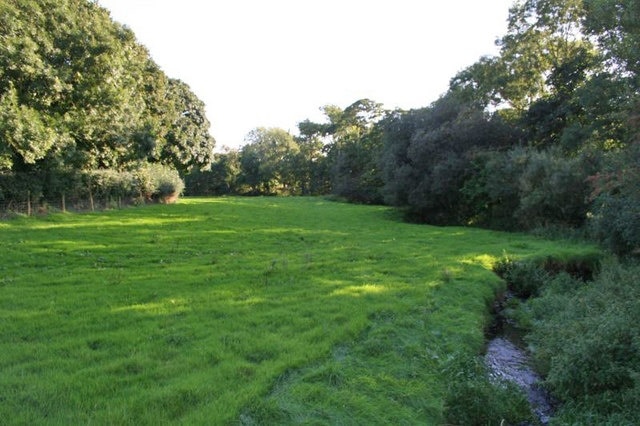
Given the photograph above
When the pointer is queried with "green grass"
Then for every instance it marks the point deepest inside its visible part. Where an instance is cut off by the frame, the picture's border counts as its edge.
(240, 311)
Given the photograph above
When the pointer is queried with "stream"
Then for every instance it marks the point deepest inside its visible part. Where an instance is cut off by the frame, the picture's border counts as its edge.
(507, 360)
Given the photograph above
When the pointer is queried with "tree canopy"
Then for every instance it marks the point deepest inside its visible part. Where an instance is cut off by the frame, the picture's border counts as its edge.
(78, 92)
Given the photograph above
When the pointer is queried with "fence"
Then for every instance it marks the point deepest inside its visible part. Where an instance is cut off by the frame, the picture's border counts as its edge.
(30, 205)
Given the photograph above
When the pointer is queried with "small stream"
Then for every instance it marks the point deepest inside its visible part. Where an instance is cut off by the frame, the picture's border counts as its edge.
(507, 360)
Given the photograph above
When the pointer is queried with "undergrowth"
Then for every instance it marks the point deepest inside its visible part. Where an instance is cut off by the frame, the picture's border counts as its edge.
(584, 335)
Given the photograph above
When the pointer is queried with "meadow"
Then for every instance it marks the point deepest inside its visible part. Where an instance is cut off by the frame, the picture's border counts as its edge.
(242, 311)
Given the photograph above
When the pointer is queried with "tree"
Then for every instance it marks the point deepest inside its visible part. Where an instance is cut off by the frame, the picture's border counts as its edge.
(354, 150)
(79, 93)
(542, 35)
(429, 153)
(188, 142)
(616, 26)
(311, 162)
(267, 161)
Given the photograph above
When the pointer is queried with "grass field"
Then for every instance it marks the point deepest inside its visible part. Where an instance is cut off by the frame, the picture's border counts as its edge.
(240, 311)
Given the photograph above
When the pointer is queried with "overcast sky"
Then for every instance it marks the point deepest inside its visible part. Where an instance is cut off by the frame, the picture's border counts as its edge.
(274, 63)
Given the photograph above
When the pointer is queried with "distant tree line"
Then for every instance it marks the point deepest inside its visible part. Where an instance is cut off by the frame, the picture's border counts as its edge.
(83, 107)
(543, 135)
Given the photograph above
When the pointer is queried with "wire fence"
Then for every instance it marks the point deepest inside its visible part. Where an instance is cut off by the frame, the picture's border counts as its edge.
(30, 205)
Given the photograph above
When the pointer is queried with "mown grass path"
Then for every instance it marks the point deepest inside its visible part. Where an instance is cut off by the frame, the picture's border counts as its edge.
(239, 310)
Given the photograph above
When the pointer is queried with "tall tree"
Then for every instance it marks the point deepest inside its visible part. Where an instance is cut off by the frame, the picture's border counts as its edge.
(78, 93)
(542, 35)
(428, 156)
(188, 142)
(354, 151)
(311, 161)
(616, 26)
(267, 161)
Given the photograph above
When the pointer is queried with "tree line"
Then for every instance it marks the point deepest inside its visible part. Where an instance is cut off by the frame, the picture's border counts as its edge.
(543, 135)
(84, 108)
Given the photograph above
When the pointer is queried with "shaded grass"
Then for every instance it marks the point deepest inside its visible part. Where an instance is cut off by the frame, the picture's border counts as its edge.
(232, 310)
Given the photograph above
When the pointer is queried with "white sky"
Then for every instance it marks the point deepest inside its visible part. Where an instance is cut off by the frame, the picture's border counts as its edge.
(274, 63)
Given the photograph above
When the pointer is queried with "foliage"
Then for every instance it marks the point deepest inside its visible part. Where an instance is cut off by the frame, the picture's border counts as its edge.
(616, 192)
(553, 190)
(492, 192)
(428, 157)
(616, 25)
(585, 339)
(111, 184)
(145, 183)
(524, 278)
(542, 36)
(78, 94)
(220, 179)
(188, 144)
(354, 151)
(267, 161)
(156, 181)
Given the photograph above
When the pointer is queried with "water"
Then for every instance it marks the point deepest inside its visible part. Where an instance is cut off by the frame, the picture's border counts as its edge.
(507, 361)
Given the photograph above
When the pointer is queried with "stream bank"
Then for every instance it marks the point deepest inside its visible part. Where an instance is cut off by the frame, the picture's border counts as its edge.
(507, 357)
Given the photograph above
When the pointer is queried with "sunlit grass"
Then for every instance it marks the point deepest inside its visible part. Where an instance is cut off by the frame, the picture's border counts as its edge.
(240, 310)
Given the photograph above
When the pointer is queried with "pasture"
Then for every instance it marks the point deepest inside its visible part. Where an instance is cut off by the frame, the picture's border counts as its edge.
(241, 311)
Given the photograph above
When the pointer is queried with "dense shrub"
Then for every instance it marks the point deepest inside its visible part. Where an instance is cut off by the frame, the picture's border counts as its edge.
(430, 154)
(492, 191)
(158, 182)
(616, 191)
(16, 187)
(586, 341)
(553, 190)
(615, 223)
(147, 182)
(110, 184)
(524, 278)
(220, 179)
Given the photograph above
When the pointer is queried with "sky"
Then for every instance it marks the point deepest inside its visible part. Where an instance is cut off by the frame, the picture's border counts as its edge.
(275, 63)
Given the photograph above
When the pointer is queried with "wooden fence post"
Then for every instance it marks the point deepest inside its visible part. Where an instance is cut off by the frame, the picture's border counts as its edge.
(91, 199)
(28, 203)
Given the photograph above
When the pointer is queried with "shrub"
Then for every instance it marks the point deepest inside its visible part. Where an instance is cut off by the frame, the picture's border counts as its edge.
(108, 183)
(158, 182)
(553, 190)
(615, 223)
(524, 278)
(616, 202)
(586, 339)
(491, 192)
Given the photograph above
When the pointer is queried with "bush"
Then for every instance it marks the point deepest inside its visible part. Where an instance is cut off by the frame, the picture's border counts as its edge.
(109, 184)
(553, 190)
(491, 192)
(158, 182)
(616, 205)
(586, 340)
(615, 223)
(524, 278)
